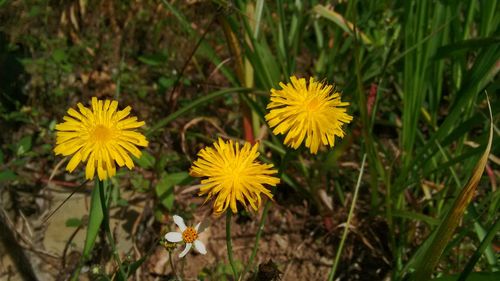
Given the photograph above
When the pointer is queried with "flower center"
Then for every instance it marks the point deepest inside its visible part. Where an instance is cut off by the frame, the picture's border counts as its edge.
(189, 235)
(233, 168)
(313, 104)
(102, 133)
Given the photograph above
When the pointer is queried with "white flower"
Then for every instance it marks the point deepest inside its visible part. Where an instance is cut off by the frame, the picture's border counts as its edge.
(188, 234)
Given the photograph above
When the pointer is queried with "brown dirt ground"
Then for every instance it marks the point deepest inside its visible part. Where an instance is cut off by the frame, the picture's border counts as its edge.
(302, 245)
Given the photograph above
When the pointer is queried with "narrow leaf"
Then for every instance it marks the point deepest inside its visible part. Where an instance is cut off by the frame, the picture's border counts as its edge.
(73, 222)
(445, 230)
(95, 220)
(339, 20)
(480, 250)
(459, 48)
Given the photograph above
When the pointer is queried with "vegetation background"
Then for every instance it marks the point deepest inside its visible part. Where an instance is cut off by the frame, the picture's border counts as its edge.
(415, 72)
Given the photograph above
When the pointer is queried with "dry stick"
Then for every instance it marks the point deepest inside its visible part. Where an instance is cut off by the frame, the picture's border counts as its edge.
(66, 246)
(348, 222)
(14, 249)
(78, 189)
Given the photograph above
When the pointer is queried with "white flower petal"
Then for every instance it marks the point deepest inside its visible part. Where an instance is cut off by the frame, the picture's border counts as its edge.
(200, 247)
(180, 222)
(197, 227)
(173, 237)
(186, 250)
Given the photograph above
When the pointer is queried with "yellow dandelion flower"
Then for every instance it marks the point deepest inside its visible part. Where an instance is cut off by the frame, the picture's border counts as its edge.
(233, 174)
(99, 136)
(309, 112)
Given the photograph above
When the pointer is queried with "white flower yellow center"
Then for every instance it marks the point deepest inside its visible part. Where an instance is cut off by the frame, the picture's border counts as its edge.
(189, 235)
(101, 133)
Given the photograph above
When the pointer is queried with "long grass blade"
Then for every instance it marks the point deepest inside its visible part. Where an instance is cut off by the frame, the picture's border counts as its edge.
(480, 250)
(445, 230)
(339, 20)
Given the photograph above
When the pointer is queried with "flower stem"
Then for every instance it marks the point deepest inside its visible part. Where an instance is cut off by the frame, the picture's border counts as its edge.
(229, 245)
(348, 223)
(257, 238)
(284, 160)
(107, 229)
(172, 266)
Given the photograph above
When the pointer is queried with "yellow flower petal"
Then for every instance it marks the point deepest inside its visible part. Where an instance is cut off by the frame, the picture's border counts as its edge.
(75, 160)
(100, 136)
(307, 113)
(233, 175)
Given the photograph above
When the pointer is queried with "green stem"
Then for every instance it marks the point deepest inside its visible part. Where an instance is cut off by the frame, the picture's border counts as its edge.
(348, 223)
(229, 245)
(76, 273)
(263, 218)
(107, 229)
(257, 238)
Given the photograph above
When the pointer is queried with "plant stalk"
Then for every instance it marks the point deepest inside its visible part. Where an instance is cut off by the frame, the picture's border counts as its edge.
(107, 229)
(348, 222)
(229, 244)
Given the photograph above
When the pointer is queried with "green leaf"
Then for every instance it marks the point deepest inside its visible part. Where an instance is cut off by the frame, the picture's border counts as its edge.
(1, 157)
(165, 187)
(122, 202)
(73, 222)
(95, 220)
(166, 83)
(146, 161)
(153, 59)
(60, 55)
(475, 276)
(7, 175)
(139, 183)
(24, 145)
(34, 11)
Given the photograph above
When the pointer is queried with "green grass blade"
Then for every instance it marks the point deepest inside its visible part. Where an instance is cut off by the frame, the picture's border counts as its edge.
(482, 72)
(460, 48)
(415, 217)
(341, 22)
(445, 230)
(485, 243)
(475, 276)
(259, 7)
